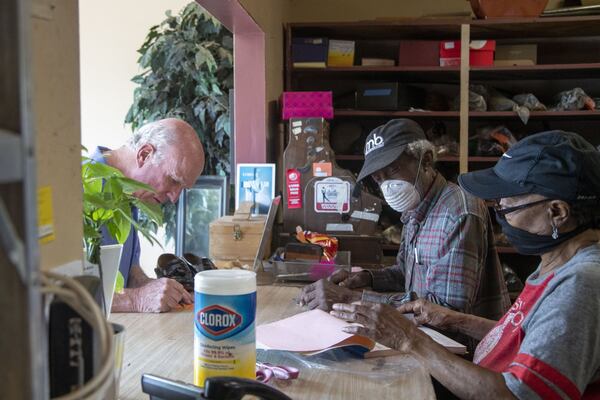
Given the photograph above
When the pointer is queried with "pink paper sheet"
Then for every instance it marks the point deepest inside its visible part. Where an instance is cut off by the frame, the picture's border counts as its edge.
(305, 332)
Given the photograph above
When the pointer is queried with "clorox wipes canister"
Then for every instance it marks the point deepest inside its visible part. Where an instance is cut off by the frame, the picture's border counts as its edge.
(224, 313)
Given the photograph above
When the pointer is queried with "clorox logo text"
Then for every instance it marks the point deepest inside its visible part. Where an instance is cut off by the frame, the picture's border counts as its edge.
(218, 320)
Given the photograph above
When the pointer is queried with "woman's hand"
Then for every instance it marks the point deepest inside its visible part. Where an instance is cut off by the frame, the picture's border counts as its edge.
(427, 313)
(382, 323)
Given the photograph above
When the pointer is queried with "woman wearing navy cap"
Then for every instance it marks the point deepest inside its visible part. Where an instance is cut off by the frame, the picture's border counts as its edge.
(547, 346)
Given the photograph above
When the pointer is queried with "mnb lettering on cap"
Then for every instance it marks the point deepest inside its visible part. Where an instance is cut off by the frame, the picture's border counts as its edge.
(373, 144)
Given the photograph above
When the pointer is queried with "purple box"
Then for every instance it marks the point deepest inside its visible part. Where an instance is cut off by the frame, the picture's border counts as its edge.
(306, 105)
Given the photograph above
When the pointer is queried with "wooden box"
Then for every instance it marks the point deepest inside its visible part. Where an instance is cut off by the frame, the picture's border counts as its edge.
(234, 240)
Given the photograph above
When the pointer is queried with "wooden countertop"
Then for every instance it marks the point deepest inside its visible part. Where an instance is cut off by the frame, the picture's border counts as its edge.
(162, 344)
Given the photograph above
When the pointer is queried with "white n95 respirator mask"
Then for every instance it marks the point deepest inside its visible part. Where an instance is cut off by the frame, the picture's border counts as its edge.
(400, 195)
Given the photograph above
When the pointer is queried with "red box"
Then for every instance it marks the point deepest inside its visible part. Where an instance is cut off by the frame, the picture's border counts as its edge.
(481, 53)
(306, 105)
(419, 53)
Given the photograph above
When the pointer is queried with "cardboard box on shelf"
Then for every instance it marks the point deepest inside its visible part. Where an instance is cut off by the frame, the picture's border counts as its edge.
(388, 96)
(419, 53)
(481, 53)
(516, 54)
(309, 52)
(377, 62)
(341, 53)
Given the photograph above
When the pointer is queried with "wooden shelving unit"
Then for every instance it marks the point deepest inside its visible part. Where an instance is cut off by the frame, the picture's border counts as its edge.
(568, 57)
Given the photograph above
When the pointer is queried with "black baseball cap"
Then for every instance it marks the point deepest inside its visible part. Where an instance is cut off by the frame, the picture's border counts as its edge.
(387, 142)
(556, 164)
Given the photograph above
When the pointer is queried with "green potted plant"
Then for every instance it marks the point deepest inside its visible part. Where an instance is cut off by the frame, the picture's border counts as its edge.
(107, 202)
(187, 73)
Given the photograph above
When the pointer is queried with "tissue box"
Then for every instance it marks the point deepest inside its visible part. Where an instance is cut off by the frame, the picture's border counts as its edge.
(516, 54)
(481, 53)
(306, 105)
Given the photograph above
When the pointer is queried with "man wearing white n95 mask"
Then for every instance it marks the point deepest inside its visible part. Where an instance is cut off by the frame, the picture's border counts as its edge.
(447, 253)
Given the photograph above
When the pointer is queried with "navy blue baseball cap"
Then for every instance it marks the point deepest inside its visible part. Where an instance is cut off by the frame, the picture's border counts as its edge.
(387, 142)
(556, 164)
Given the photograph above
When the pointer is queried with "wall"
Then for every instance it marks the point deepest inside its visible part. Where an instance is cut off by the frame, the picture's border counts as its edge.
(270, 15)
(55, 94)
(111, 31)
(354, 10)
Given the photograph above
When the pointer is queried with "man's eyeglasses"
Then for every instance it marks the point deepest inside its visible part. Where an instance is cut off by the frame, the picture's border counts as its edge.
(503, 211)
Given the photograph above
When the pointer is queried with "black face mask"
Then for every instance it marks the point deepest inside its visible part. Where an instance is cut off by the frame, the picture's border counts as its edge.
(530, 243)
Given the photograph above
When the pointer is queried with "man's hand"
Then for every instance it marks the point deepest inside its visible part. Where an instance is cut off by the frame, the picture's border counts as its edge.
(427, 313)
(158, 295)
(322, 294)
(351, 280)
(380, 322)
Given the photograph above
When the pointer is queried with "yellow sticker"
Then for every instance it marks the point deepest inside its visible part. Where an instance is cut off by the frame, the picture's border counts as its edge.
(45, 215)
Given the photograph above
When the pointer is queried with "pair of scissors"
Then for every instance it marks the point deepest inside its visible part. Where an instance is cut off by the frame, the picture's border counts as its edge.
(265, 372)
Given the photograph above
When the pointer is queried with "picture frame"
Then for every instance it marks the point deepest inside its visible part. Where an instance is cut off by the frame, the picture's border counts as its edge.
(255, 183)
(197, 207)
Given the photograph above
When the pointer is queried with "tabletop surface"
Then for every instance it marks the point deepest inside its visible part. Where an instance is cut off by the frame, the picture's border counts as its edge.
(162, 344)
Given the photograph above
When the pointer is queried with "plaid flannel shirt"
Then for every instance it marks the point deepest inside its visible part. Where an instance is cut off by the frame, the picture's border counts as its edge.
(447, 256)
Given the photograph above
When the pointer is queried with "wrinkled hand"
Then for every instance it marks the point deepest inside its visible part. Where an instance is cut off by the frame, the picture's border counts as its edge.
(159, 295)
(322, 294)
(427, 313)
(351, 280)
(380, 322)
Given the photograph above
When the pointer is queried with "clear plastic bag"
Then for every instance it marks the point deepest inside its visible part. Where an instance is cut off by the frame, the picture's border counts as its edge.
(573, 100)
(476, 102)
(530, 101)
(343, 361)
(494, 140)
(443, 142)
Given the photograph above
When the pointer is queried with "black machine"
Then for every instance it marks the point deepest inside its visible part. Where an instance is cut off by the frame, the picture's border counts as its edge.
(218, 388)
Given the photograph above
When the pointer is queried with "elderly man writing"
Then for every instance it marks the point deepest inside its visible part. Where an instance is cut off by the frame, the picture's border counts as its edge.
(168, 156)
(447, 253)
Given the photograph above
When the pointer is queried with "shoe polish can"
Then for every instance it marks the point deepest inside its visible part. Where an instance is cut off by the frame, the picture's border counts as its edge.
(224, 314)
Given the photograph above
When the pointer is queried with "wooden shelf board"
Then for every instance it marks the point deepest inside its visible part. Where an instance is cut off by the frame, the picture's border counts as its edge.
(449, 28)
(395, 114)
(484, 159)
(421, 28)
(473, 114)
(536, 114)
(540, 71)
(408, 74)
(448, 159)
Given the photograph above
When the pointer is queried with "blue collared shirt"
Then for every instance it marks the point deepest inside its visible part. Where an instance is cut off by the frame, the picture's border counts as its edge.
(130, 254)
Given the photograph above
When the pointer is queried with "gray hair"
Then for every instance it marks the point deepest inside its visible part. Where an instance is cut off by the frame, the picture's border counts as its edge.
(157, 133)
(419, 148)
